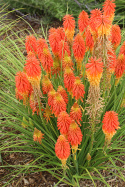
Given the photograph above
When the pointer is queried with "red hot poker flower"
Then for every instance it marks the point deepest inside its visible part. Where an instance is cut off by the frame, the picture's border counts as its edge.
(63, 49)
(51, 96)
(78, 89)
(122, 49)
(94, 71)
(54, 39)
(63, 122)
(63, 93)
(59, 104)
(115, 36)
(89, 40)
(69, 27)
(69, 78)
(79, 49)
(31, 44)
(109, 9)
(46, 84)
(76, 113)
(46, 60)
(37, 136)
(120, 66)
(41, 43)
(62, 149)
(110, 124)
(74, 135)
(23, 87)
(83, 22)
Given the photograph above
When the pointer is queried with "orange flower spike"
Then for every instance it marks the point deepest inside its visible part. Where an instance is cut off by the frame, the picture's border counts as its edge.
(63, 93)
(69, 27)
(31, 44)
(62, 149)
(23, 87)
(51, 96)
(46, 60)
(38, 135)
(61, 33)
(111, 61)
(115, 36)
(54, 39)
(63, 49)
(89, 40)
(76, 113)
(74, 136)
(63, 122)
(78, 89)
(47, 113)
(110, 124)
(79, 49)
(104, 26)
(69, 79)
(93, 22)
(46, 85)
(41, 43)
(122, 49)
(67, 61)
(56, 66)
(109, 9)
(83, 22)
(94, 71)
(120, 66)
(59, 104)
(33, 70)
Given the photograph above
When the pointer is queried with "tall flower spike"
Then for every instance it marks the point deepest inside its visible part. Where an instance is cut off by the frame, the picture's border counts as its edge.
(38, 135)
(69, 79)
(83, 22)
(74, 136)
(76, 113)
(78, 89)
(51, 96)
(120, 66)
(33, 71)
(94, 71)
(62, 149)
(23, 87)
(79, 50)
(46, 60)
(54, 39)
(110, 124)
(104, 26)
(89, 40)
(31, 44)
(46, 84)
(122, 49)
(67, 61)
(41, 43)
(115, 36)
(63, 122)
(93, 22)
(111, 61)
(109, 9)
(63, 49)
(59, 104)
(69, 27)
(63, 93)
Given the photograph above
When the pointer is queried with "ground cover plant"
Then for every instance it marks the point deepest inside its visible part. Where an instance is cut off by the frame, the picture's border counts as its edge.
(65, 98)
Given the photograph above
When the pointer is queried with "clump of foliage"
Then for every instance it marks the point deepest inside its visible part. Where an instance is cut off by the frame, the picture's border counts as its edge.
(66, 98)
